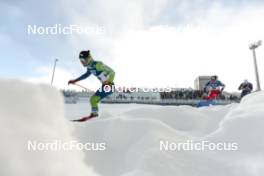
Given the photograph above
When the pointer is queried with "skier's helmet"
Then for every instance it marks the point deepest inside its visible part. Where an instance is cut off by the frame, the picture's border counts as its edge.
(84, 54)
(85, 57)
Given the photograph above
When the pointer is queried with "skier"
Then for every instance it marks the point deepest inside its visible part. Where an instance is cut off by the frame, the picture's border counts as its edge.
(104, 73)
(214, 88)
(246, 88)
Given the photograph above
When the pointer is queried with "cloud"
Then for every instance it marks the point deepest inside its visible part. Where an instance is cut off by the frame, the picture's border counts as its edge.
(133, 33)
(214, 44)
(61, 77)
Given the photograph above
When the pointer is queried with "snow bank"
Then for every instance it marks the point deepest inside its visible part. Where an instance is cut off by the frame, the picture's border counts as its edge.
(35, 113)
(133, 139)
(244, 124)
(132, 134)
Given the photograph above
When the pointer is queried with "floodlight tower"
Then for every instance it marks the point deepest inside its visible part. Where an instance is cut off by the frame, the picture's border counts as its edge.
(53, 72)
(253, 47)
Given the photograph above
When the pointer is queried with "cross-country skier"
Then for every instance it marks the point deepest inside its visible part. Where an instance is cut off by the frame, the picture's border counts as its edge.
(246, 88)
(214, 87)
(104, 73)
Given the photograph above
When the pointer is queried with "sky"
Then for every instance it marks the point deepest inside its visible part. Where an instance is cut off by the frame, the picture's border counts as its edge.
(149, 43)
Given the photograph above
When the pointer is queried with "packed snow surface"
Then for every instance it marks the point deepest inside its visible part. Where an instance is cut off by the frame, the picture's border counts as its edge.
(139, 140)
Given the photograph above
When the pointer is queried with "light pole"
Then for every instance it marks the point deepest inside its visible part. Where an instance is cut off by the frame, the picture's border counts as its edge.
(253, 47)
(53, 72)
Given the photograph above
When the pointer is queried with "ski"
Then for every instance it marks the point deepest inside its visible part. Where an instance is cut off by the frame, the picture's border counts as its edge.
(83, 119)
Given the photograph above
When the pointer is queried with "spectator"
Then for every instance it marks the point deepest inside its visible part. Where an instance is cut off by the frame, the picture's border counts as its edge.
(246, 88)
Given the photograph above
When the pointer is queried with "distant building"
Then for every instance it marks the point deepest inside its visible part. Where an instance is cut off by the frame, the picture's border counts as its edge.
(200, 81)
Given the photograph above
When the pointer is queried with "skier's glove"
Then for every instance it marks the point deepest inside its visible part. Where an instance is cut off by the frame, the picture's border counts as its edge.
(71, 82)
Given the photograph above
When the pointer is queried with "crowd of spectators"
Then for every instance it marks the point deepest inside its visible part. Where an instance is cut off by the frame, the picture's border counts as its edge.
(131, 97)
(181, 94)
(73, 93)
(187, 94)
(68, 93)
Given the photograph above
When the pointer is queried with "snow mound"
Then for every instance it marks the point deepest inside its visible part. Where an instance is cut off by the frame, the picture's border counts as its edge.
(133, 139)
(35, 113)
(132, 133)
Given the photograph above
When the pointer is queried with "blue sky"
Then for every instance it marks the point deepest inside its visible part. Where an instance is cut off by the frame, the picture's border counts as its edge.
(150, 39)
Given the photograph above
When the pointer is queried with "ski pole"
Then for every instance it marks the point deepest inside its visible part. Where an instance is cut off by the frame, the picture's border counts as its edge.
(83, 87)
